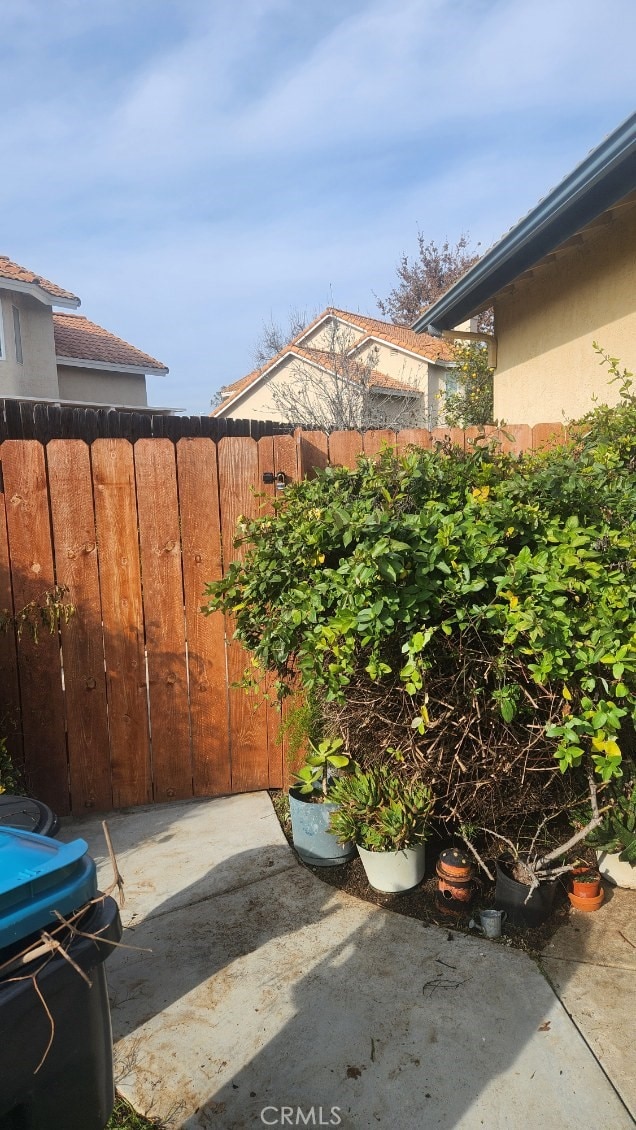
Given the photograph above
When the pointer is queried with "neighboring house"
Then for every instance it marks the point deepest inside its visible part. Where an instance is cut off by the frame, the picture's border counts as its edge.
(404, 371)
(560, 279)
(62, 357)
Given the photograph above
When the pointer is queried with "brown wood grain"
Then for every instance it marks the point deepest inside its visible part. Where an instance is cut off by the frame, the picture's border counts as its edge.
(39, 664)
(344, 448)
(268, 493)
(376, 441)
(202, 562)
(238, 473)
(547, 435)
(455, 435)
(164, 618)
(75, 544)
(120, 580)
(515, 438)
(313, 452)
(10, 715)
(416, 437)
(286, 456)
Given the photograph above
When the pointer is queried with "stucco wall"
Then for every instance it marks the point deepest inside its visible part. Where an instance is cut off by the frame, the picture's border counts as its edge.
(259, 403)
(328, 336)
(37, 375)
(96, 386)
(394, 363)
(546, 366)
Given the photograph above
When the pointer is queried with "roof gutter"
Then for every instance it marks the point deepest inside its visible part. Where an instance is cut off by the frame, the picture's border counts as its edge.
(606, 175)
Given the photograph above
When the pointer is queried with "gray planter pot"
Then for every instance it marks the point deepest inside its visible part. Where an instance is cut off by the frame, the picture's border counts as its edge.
(314, 844)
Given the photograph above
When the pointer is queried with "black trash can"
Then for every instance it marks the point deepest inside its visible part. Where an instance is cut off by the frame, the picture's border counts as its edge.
(28, 814)
(74, 1088)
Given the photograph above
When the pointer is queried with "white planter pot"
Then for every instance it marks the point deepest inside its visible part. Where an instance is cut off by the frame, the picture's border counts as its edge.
(393, 871)
(619, 873)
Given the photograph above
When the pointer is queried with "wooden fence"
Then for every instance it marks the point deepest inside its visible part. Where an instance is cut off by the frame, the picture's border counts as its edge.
(133, 701)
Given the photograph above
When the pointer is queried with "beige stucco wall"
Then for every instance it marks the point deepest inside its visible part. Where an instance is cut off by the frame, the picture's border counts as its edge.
(259, 403)
(423, 411)
(98, 386)
(331, 336)
(395, 363)
(545, 326)
(37, 375)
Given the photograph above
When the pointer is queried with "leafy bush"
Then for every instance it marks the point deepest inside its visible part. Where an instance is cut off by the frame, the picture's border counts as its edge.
(617, 831)
(474, 609)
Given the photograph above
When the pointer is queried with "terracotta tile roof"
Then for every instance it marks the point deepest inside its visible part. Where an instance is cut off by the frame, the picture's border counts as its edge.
(77, 338)
(433, 348)
(11, 270)
(318, 357)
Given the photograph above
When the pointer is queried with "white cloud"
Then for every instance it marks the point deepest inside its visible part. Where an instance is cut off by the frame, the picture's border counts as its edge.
(191, 168)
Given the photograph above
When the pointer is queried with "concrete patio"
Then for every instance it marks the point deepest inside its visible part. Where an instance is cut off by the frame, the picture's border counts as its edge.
(266, 989)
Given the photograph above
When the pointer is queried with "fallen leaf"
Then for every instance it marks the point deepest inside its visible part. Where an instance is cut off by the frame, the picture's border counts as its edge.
(544, 1027)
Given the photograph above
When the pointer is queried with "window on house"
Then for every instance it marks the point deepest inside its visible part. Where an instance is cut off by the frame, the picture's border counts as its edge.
(17, 335)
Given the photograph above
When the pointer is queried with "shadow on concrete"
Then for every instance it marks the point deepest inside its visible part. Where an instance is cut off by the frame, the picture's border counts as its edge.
(277, 992)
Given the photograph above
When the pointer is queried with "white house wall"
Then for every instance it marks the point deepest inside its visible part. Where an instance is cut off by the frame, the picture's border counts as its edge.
(36, 376)
(323, 336)
(97, 386)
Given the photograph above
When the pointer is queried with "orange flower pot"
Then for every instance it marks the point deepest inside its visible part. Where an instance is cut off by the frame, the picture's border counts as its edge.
(586, 888)
(586, 904)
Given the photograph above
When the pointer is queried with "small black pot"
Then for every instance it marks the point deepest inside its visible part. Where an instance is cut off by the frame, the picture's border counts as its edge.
(511, 895)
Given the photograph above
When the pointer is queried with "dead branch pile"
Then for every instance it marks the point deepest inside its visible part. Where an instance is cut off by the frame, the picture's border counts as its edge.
(481, 769)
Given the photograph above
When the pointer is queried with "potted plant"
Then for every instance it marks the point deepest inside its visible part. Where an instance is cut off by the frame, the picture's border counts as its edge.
(387, 818)
(586, 883)
(523, 889)
(311, 805)
(615, 837)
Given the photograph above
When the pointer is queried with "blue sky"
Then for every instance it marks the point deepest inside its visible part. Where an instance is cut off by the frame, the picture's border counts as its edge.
(194, 168)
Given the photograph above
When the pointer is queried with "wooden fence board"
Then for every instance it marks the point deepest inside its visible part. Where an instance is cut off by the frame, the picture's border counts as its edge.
(312, 452)
(455, 435)
(376, 441)
(268, 492)
(118, 548)
(515, 438)
(417, 437)
(344, 448)
(76, 566)
(238, 473)
(164, 618)
(10, 716)
(547, 435)
(39, 665)
(202, 562)
(286, 456)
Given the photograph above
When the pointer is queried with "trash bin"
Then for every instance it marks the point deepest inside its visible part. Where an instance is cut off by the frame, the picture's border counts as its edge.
(73, 1089)
(28, 814)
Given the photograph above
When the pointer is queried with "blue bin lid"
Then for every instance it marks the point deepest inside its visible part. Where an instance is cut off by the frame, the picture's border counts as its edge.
(39, 876)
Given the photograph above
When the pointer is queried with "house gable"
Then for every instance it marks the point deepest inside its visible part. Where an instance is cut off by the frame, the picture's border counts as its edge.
(401, 361)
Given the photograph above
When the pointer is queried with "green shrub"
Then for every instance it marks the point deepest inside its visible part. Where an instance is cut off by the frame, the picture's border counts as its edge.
(484, 603)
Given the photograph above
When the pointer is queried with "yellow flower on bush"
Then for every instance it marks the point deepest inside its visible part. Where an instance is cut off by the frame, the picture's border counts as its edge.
(480, 494)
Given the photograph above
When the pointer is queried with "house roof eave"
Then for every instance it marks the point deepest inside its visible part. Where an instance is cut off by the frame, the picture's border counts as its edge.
(603, 178)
